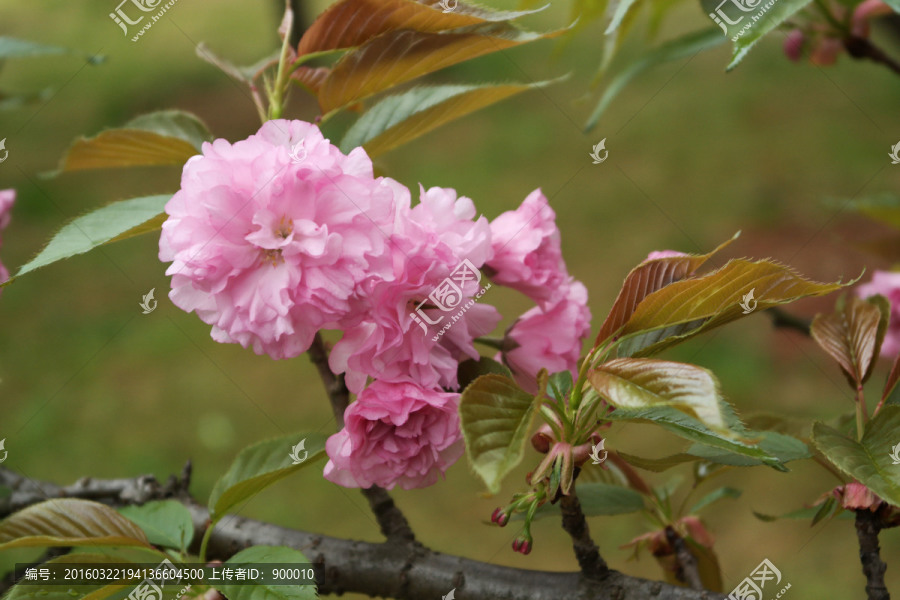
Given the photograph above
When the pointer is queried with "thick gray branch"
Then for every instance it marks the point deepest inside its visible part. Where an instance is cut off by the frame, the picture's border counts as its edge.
(395, 569)
(868, 526)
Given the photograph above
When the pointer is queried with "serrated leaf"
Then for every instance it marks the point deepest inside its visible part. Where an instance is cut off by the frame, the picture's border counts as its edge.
(112, 223)
(781, 11)
(598, 499)
(161, 138)
(850, 334)
(714, 496)
(470, 370)
(401, 118)
(400, 56)
(69, 522)
(259, 466)
(167, 523)
(350, 23)
(646, 278)
(54, 591)
(801, 514)
(683, 47)
(638, 383)
(688, 427)
(268, 555)
(496, 418)
(869, 460)
(686, 308)
(559, 385)
(658, 465)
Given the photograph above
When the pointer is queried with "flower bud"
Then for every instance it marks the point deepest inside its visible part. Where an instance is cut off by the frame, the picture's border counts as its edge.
(500, 517)
(542, 439)
(793, 44)
(522, 544)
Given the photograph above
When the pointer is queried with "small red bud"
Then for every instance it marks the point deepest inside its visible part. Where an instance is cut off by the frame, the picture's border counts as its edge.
(522, 545)
(499, 517)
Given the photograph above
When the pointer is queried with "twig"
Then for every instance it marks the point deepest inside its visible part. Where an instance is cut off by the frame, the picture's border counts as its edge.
(868, 525)
(785, 320)
(391, 520)
(687, 562)
(860, 48)
(388, 570)
(573, 521)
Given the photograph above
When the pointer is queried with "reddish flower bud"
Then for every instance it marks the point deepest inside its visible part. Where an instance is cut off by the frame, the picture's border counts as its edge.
(522, 544)
(542, 439)
(793, 44)
(500, 517)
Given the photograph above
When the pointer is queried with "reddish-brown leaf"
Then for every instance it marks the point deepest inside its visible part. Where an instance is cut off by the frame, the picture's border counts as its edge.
(849, 336)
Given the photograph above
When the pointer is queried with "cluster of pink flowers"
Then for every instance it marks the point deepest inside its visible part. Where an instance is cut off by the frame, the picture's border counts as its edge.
(277, 237)
(7, 199)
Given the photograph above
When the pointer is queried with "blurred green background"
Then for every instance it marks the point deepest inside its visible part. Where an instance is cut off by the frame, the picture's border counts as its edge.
(91, 387)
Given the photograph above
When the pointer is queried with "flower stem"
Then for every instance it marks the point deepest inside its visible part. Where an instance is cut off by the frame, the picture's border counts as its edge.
(206, 535)
(860, 412)
(278, 95)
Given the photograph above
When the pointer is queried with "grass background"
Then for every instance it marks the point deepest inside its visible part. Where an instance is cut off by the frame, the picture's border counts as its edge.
(90, 386)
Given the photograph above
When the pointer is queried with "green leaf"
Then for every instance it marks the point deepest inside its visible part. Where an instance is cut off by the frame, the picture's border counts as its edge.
(162, 138)
(686, 308)
(783, 447)
(781, 11)
(883, 206)
(112, 223)
(167, 523)
(598, 499)
(268, 555)
(69, 522)
(621, 9)
(869, 460)
(400, 56)
(683, 47)
(370, 18)
(401, 118)
(54, 591)
(801, 514)
(559, 385)
(850, 335)
(645, 382)
(646, 278)
(259, 466)
(715, 496)
(16, 48)
(496, 418)
(686, 426)
(470, 370)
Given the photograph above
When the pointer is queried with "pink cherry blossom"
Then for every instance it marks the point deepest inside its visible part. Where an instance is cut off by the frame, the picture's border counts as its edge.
(268, 249)
(549, 338)
(438, 239)
(7, 199)
(395, 434)
(526, 251)
(887, 284)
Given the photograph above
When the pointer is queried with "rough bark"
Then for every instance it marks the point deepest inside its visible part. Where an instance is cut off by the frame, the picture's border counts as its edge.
(868, 525)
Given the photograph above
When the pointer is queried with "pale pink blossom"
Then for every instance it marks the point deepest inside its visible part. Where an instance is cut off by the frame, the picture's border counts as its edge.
(526, 251)
(268, 249)
(395, 434)
(7, 199)
(886, 283)
(549, 338)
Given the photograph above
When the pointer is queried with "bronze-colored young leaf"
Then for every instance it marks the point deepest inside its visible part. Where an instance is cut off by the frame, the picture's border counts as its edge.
(646, 278)
(351, 23)
(636, 383)
(404, 117)
(400, 56)
(311, 78)
(69, 522)
(162, 138)
(891, 394)
(850, 335)
(685, 308)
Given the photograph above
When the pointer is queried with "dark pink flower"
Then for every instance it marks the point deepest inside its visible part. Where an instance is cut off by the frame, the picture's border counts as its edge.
(395, 434)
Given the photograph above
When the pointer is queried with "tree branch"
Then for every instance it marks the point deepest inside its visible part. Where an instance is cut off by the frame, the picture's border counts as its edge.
(391, 520)
(785, 320)
(860, 48)
(400, 571)
(573, 521)
(868, 525)
(687, 562)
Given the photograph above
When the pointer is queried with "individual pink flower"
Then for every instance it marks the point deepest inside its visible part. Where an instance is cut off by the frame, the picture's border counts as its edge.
(886, 283)
(664, 254)
(395, 434)
(526, 251)
(269, 237)
(549, 339)
(7, 199)
(422, 319)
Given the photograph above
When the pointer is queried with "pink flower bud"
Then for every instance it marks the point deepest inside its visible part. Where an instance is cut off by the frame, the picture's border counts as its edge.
(863, 13)
(793, 44)
(542, 439)
(826, 51)
(500, 517)
(522, 544)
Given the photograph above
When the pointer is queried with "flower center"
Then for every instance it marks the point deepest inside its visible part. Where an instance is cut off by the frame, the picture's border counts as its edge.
(285, 227)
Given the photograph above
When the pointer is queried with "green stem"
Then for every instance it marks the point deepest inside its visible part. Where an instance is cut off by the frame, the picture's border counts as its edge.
(491, 342)
(276, 101)
(830, 18)
(860, 412)
(206, 535)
